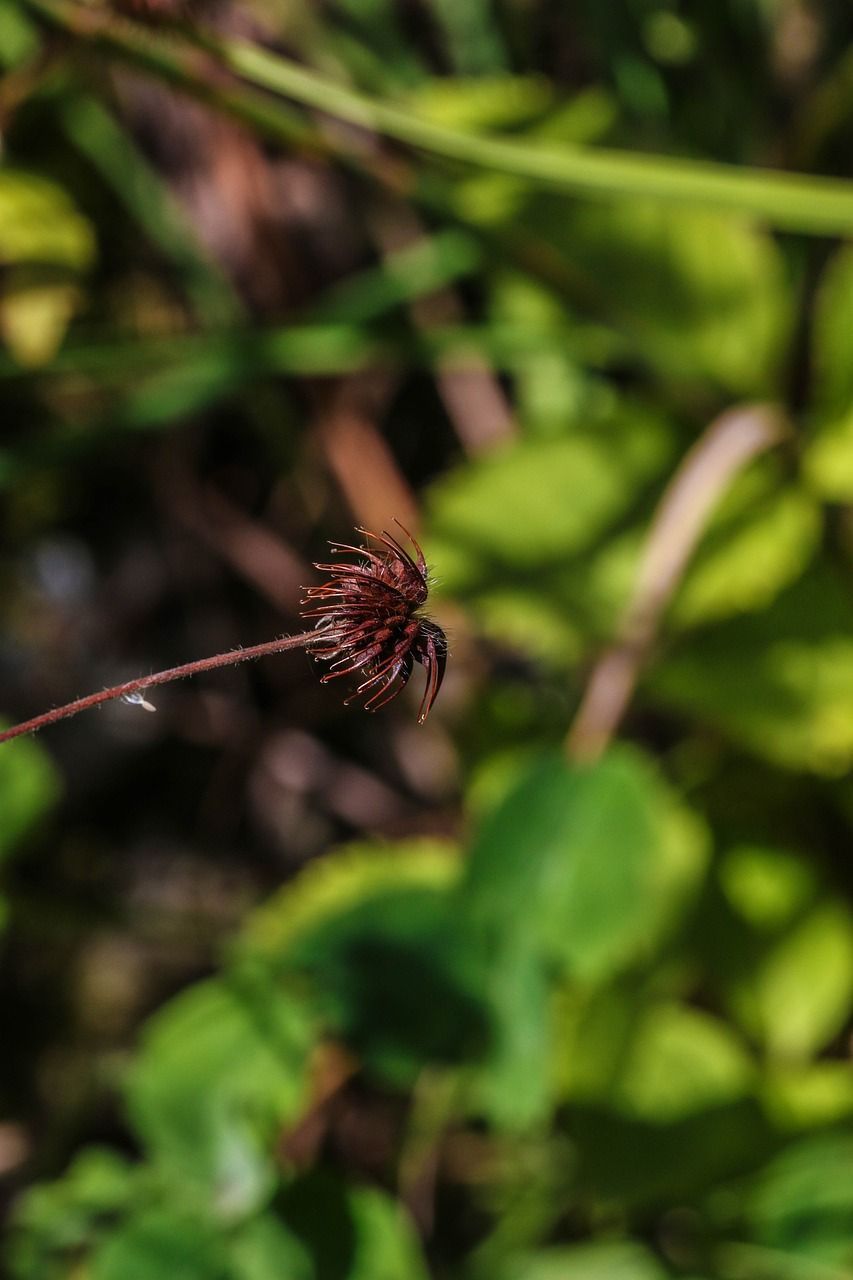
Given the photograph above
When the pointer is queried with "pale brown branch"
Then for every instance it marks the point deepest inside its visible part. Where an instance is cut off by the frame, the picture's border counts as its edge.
(729, 443)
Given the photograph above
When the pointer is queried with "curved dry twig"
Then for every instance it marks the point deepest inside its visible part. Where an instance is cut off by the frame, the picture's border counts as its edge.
(727, 445)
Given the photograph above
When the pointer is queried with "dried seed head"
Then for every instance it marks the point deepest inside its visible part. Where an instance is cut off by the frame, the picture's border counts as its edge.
(369, 622)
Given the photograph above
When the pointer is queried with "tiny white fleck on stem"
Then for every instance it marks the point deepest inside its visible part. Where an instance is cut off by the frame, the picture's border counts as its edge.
(138, 699)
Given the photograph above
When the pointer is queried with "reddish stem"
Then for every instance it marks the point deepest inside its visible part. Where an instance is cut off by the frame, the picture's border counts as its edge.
(161, 677)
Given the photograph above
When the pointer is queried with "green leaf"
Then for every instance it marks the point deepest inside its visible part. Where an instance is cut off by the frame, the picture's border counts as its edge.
(34, 317)
(366, 963)
(352, 1233)
(679, 1061)
(386, 1246)
(562, 494)
(19, 38)
(579, 870)
(627, 1162)
(766, 886)
(264, 1249)
(532, 620)
(424, 267)
(473, 36)
(621, 1260)
(828, 458)
(590, 864)
(653, 1061)
(162, 1244)
(779, 682)
(811, 1095)
(594, 1027)
(723, 316)
(44, 243)
(552, 388)
(803, 1202)
(760, 540)
(482, 102)
(222, 1068)
(799, 996)
(490, 199)
(56, 1221)
(29, 785)
(331, 886)
(514, 1087)
(40, 224)
(368, 926)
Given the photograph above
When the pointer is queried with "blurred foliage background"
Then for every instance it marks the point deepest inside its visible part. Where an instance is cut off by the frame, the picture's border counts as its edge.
(558, 985)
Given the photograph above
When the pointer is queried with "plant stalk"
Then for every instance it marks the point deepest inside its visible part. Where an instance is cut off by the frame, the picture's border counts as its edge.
(195, 62)
(130, 687)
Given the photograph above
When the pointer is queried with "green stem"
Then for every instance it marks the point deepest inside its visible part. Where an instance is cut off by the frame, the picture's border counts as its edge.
(798, 202)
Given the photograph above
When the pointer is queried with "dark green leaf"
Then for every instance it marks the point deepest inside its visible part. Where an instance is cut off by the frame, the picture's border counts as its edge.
(352, 1234)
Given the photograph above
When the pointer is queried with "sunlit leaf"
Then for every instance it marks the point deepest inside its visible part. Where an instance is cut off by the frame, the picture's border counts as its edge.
(329, 887)
(691, 313)
(766, 886)
(780, 682)
(40, 224)
(680, 1060)
(562, 495)
(44, 243)
(804, 1096)
(483, 102)
(609, 1261)
(799, 997)
(828, 459)
(33, 320)
(491, 199)
(760, 540)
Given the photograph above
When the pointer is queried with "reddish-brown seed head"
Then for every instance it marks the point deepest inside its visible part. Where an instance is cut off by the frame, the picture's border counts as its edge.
(369, 623)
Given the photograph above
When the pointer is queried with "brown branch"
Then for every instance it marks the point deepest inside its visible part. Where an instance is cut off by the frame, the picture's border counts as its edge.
(131, 687)
(729, 443)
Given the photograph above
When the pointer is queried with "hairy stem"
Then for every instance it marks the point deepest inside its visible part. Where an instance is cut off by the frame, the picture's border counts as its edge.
(229, 659)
